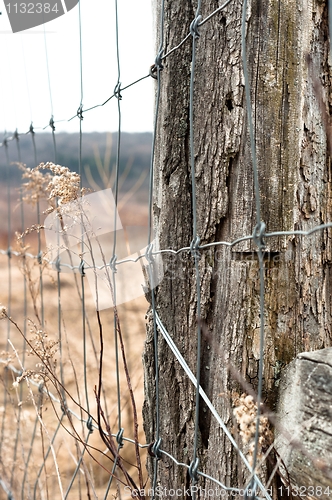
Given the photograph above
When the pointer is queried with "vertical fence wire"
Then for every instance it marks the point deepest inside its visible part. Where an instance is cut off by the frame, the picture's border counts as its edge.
(25, 312)
(158, 67)
(58, 284)
(42, 317)
(9, 302)
(113, 287)
(39, 242)
(80, 171)
(257, 237)
(117, 93)
(42, 467)
(81, 292)
(31, 448)
(195, 243)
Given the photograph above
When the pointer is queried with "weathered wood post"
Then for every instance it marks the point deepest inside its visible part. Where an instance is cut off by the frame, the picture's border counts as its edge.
(295, 187)
(304, 432)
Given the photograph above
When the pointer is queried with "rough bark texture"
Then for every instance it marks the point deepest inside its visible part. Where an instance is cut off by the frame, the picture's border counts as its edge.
(304, 438)
(295, 182)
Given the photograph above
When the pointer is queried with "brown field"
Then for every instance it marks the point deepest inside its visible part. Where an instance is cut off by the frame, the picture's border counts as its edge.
(28, 416)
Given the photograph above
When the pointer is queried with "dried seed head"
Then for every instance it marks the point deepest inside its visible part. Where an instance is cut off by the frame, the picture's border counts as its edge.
(245, 413)
(3, 312)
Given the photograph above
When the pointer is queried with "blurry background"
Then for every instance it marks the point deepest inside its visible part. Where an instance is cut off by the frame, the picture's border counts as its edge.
(40, 71)
(44, 76)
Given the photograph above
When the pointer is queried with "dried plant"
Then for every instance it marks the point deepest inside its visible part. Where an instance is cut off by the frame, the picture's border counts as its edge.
(58, 186)
(45, 348)
(35, 187)
(3, 312)
(245, 413)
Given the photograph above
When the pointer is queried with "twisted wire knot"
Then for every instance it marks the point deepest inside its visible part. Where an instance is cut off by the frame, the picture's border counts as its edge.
(157, 65)
(119, 438)
(194, 27)
(81, 268)
(153, 71)
(117, 91)
(154, 449)
(148, 253)
(89, 424)
(58, 265)
(258, 235)
(194, 247)
(113, 263)
(64, 407)
(193, 471)
(51, 124)
(158, 60)
(80, 112)
(40, 258)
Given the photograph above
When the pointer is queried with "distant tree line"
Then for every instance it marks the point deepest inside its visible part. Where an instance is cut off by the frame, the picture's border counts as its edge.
(135, 152)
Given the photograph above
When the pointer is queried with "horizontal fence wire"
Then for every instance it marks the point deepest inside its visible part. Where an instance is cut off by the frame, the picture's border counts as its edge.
(80, 422)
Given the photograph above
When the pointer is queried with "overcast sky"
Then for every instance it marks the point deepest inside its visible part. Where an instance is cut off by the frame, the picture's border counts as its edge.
(25, 93)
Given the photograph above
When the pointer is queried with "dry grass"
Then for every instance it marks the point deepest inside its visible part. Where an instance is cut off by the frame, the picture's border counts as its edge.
(55, 353)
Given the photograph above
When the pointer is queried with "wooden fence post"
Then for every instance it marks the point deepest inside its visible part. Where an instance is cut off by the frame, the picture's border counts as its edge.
(304, 436)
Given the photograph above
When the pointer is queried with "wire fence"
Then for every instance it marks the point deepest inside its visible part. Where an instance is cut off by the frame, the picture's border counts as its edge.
(69, 424)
